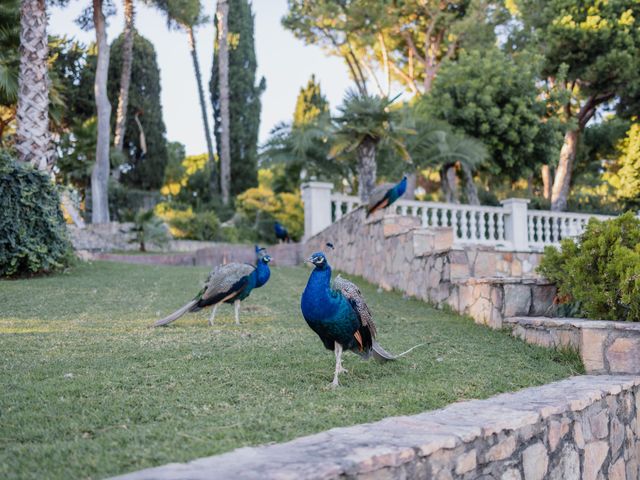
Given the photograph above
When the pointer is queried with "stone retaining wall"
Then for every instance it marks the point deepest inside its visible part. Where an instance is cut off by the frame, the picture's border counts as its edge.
(285, 254)
(395, 252)
(583, 427)
(605, 347)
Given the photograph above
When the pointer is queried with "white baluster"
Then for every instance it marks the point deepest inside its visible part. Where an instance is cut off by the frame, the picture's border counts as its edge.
(500, 227)
(493, 235)
(482, 233)
(530, 229)
(464, 229)
(473, 234)
(545, 229)
(338, 210)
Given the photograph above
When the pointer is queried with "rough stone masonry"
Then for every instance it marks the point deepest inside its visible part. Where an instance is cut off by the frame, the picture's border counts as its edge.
(581, 428)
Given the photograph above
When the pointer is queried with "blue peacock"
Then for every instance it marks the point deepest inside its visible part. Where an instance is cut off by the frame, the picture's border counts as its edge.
(229, 283)
(385, 194)
(281, 232)
(339, 315)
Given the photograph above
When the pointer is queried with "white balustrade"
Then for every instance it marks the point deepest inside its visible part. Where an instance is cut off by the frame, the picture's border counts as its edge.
(512, 225)
(548, 228)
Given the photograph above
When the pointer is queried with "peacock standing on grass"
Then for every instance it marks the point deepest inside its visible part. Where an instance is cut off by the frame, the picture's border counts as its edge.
(229, 283)
(281, 232)
(385, 194)
(340, 316)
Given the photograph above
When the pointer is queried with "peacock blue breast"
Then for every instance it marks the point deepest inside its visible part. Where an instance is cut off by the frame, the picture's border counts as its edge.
(327, 312)
(263, 272)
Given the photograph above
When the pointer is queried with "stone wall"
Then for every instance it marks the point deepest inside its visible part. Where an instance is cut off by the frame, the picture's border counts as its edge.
(285, 254)
(583, 427)
(605, 347)
(395, 252)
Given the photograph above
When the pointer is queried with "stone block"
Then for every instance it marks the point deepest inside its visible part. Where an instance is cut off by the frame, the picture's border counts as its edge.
(594, 455)
(517, 300)
(511, 474)
(459, 271)
(617, 470)
(599, 424)
(502, 449)
(485, 265)
(466, 462)
(535, 461)
(624, 355)
(568, 468)
(591, 349)
(542, 299)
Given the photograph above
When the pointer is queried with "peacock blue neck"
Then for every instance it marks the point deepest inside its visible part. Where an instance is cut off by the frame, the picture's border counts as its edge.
(317, 302)
(262, 273)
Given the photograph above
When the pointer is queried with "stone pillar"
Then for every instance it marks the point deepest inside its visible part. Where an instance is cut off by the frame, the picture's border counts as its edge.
(316, 197)
(516, 229)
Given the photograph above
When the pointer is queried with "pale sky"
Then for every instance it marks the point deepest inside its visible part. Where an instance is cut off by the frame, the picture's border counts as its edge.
(284, 61)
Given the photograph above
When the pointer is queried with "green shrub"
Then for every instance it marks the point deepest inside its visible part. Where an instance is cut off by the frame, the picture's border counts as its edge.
(197, 226)
(149, 230)
(601, 271)
(33, 236)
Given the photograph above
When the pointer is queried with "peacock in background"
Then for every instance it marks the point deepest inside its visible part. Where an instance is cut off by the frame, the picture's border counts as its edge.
(229, 283)
(281, 232)
(385, 194)
(339, 315)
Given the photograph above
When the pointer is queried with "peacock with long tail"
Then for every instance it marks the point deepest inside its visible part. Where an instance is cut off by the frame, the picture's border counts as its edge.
(339, 315)
(229, 283)
(385, 194)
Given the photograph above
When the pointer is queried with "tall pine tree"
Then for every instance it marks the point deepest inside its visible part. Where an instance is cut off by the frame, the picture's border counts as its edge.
(244, 97)
(142, 170)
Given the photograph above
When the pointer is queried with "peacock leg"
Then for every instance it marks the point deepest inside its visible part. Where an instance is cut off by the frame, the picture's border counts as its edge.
(338, 351)
(236, 306)
(213, 315)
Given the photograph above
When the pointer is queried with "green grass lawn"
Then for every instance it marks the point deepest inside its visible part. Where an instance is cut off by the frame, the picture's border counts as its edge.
(87, 391)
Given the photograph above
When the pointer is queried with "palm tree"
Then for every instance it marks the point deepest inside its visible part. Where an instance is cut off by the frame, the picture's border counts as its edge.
(9, 62)
(100, 173)
(187, 15)
(125, 77)
(32, 133)
(365, 122)
(222, 16)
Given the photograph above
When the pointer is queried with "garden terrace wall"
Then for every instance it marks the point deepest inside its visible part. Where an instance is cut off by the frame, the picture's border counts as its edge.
(605, 347)
(395, 252)
(583, 427)
(285, 254)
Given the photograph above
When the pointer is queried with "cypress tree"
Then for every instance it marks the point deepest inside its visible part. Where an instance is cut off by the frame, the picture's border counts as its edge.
(244, 97)
(145, 171)
(310, 104)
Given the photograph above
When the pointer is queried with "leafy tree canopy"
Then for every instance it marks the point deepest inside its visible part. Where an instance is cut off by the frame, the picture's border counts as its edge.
(494, 98)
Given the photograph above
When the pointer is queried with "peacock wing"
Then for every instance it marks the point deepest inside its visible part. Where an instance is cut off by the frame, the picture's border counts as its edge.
(377, 195)
(224, 277)
(352, 293)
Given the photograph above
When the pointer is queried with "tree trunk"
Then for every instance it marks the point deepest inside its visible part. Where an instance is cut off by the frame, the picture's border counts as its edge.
(449, 183)
(470, 188)
(562, 180)
(203, 108)
(412, 181)
(223, 77)
(367, 167)
(100, 173)
(546, 182)
(125, 78)
(32, 133)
